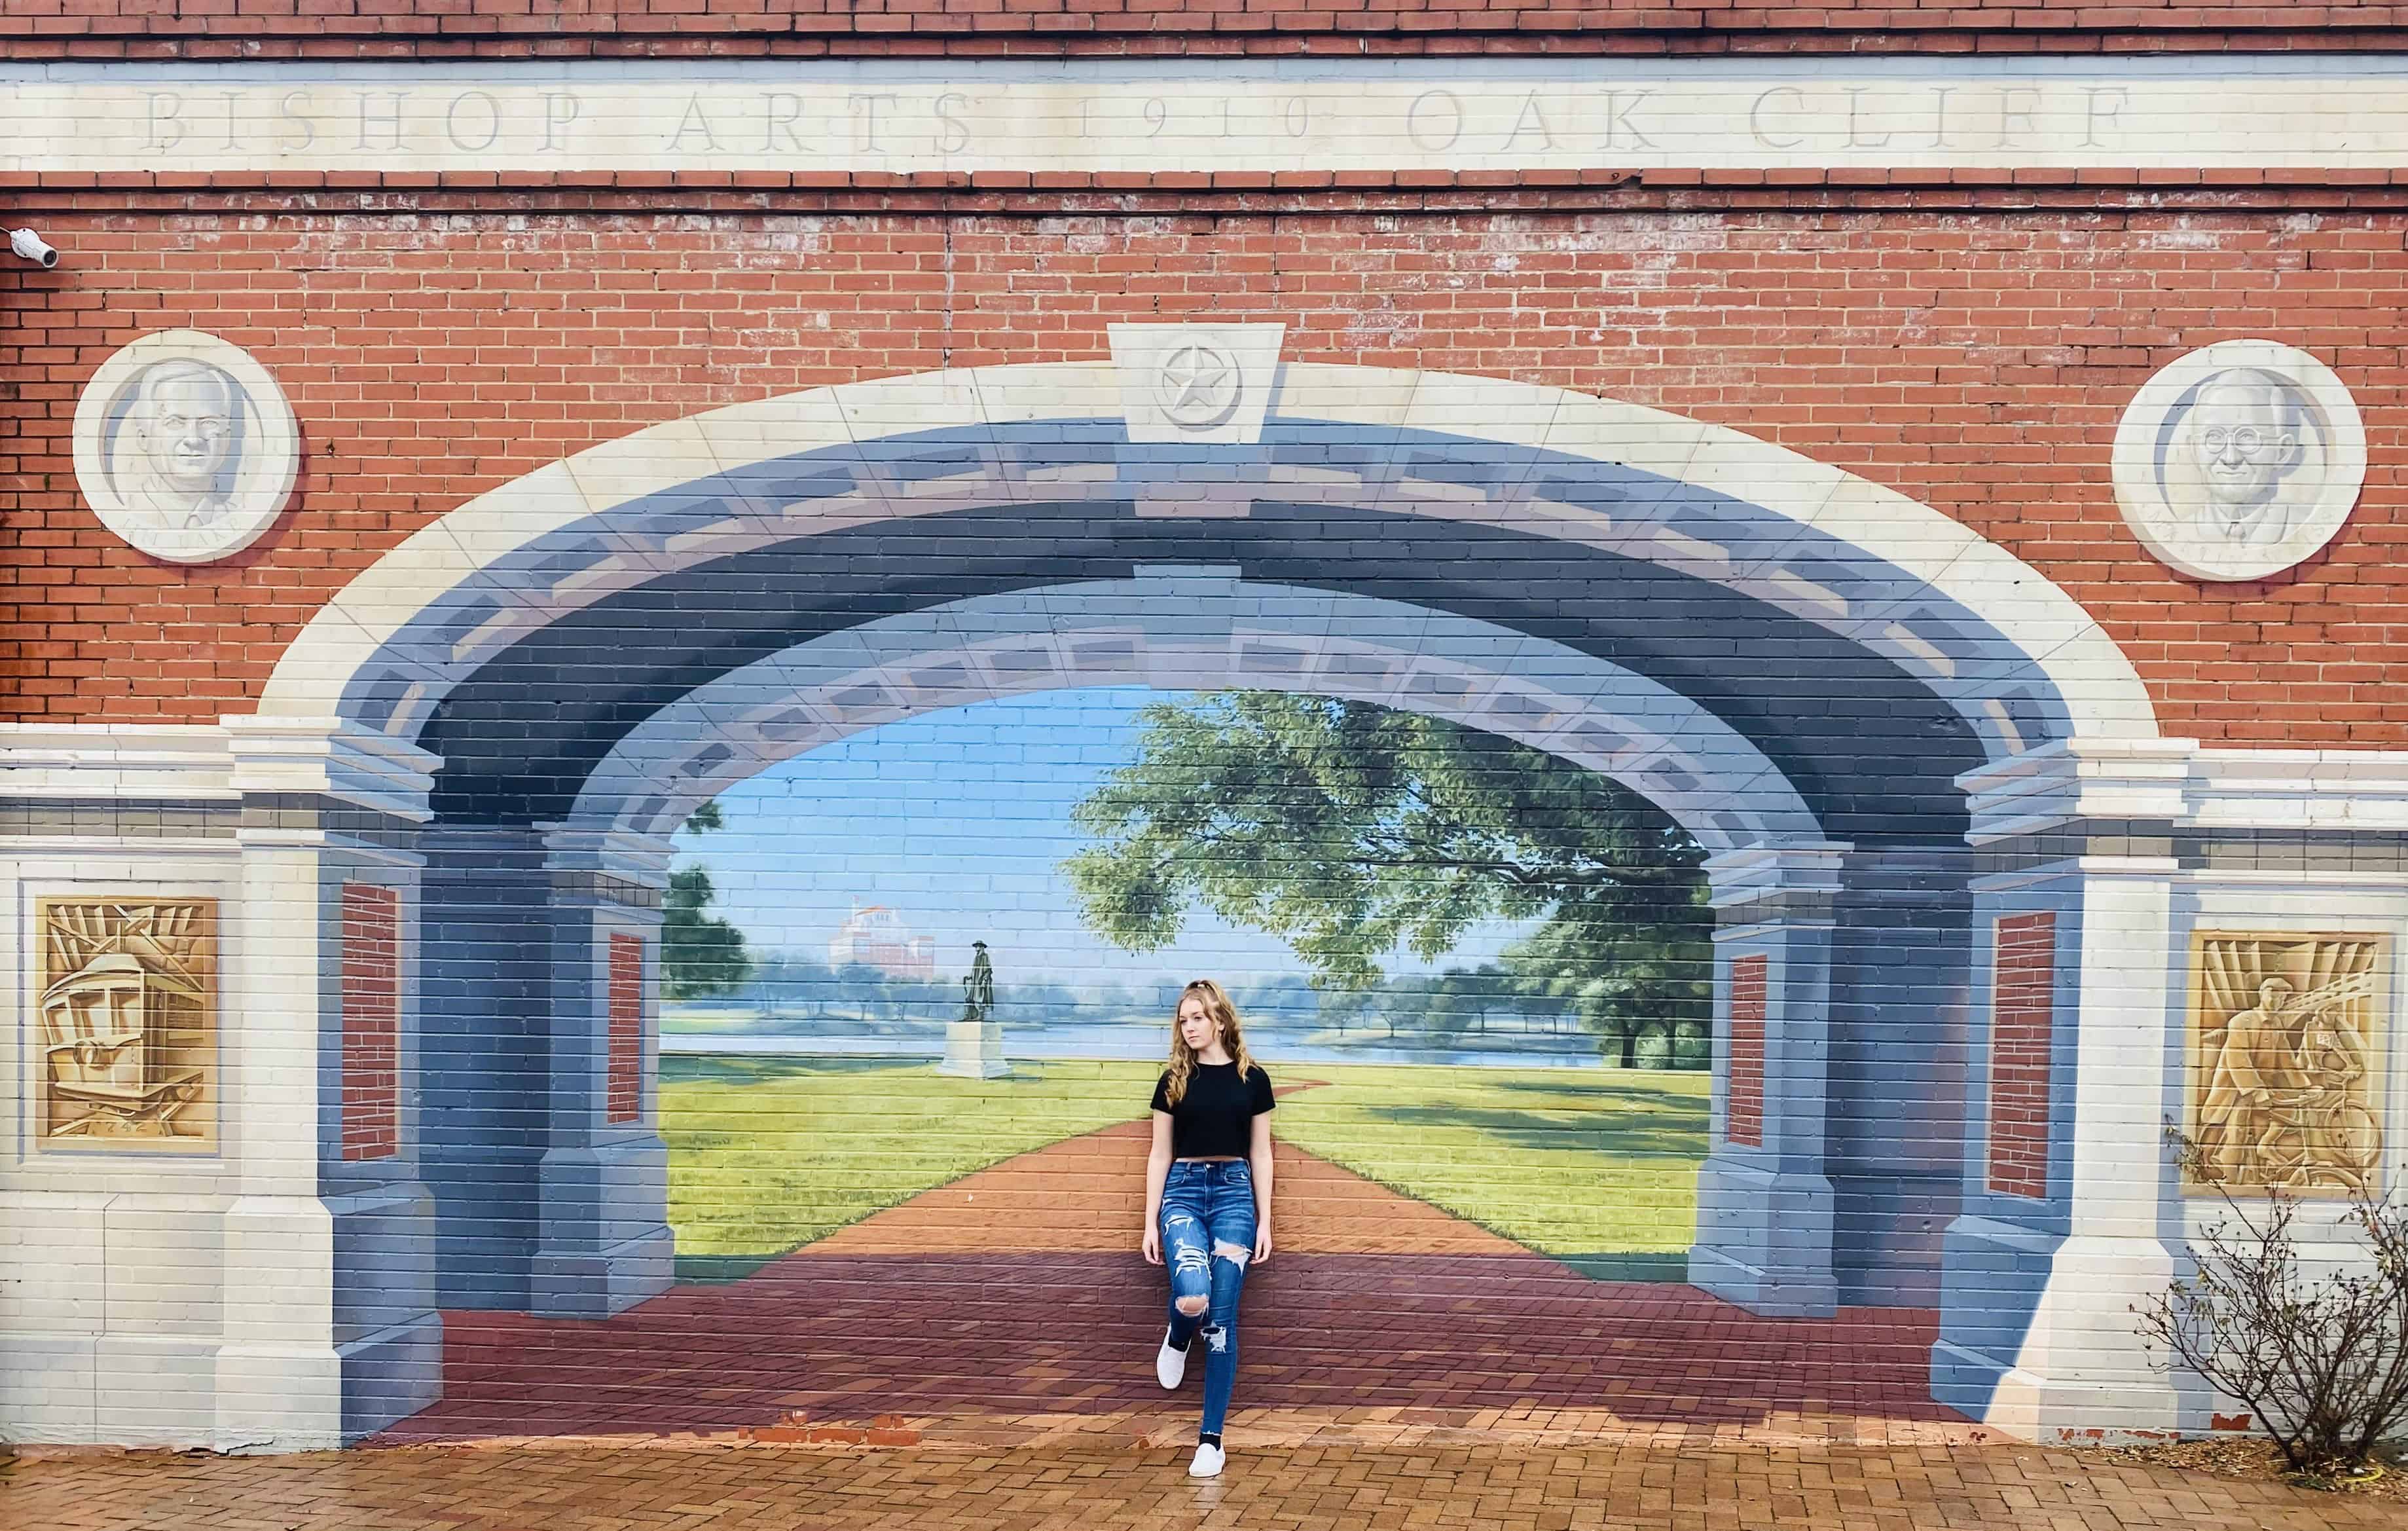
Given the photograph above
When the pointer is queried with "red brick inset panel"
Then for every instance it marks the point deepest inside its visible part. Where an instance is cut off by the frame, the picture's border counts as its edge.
(626, 1076)
(1743, 1119)
(371, 1022)
(2024, 974)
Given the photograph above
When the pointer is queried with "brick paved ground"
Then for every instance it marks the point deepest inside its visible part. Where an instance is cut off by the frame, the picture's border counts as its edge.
(1012, 1303)
(1447, 1487)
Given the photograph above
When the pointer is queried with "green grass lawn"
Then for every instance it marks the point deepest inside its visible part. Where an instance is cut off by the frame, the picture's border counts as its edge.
(1597, 1167)
(769, 1153)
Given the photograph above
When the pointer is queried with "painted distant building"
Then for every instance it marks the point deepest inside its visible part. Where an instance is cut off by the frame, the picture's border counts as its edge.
(877, 937)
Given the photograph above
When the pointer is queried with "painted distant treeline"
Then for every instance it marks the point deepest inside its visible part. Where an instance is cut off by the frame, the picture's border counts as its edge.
(1489, 1008)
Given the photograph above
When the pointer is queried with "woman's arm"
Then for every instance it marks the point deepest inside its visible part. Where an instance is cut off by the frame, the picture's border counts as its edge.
(1157, 1169)
(1259, 1155)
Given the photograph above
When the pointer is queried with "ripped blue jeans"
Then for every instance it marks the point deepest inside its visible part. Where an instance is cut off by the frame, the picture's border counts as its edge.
(1208, 1238)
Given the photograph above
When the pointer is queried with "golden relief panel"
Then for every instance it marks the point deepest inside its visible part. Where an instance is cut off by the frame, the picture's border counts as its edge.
(127, 1020)
(2286, 1061)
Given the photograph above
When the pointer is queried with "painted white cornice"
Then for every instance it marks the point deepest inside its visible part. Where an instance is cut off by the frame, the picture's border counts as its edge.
(116, 761)
(640, 859)
(2190, 786)
(1763, 872)
(333, 757)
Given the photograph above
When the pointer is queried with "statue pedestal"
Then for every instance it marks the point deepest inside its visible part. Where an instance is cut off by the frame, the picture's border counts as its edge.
(974, 1049)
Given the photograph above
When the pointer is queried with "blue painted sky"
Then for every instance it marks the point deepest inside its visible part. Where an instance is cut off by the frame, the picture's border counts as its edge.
(958, 819)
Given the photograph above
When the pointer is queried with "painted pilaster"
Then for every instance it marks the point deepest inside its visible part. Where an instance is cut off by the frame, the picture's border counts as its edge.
(1764, 1201)
(330, 1328)
(604, 1242)
(2038, 1335)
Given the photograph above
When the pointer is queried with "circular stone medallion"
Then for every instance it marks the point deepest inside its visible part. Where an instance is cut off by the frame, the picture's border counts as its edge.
(1198, 385)
(2240, 459)
(185, 446)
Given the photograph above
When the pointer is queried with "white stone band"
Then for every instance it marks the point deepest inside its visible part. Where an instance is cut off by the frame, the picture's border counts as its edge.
(2221, 111)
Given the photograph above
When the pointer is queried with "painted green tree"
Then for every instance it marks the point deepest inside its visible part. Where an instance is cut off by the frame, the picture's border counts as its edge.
(701, 955)
(1349, 830)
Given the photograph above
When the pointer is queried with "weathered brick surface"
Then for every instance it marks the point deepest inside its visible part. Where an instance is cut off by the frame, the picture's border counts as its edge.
(142, 28)
(1976, 363)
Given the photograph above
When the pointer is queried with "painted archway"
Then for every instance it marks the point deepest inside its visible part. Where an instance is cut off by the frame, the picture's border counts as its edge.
(1819, 660)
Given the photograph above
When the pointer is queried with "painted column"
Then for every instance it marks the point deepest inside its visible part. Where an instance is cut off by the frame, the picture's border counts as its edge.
(1894, 1137)
(541, 1068)
(2070, 1203)
(604, 1242)
(484, 1059)
(330, 1327)
(1764, 1203)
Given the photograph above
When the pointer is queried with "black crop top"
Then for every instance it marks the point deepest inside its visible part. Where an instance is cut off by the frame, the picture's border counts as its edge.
(1217, 1114)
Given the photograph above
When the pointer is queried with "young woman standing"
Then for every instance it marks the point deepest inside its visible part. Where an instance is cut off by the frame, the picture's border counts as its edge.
(1207, 1196)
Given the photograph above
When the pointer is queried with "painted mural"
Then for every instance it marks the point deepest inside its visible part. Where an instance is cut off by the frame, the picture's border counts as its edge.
(1483, 973)
(730, 930)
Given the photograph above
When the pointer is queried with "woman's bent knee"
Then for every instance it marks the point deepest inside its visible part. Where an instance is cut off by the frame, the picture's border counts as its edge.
(1194, 1306)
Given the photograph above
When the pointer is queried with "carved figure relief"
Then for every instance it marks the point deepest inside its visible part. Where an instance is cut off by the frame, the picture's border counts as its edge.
(127, 1023)
(184, 446)
(2285, 1088)
(2239, 460)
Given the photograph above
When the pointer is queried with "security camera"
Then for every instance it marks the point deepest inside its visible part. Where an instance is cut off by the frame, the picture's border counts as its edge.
(33, 247)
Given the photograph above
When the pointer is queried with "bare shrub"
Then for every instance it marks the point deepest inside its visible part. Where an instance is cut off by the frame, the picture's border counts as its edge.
(2320, 1357)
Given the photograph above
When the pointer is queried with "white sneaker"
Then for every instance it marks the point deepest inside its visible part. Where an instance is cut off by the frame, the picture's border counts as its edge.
(1169, 1362)
(1209, 1458)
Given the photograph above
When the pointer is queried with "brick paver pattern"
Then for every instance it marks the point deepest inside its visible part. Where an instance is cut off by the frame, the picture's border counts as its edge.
(1016, 1295)
(1096, 1484)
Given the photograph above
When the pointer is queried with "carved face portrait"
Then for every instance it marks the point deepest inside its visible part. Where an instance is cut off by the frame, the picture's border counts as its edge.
(178, 434)
(2239, 459)
(2243, 434)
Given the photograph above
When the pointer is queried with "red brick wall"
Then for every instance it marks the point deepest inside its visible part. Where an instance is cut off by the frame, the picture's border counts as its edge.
(252, 28)
(2022, 1004)
(1743, 1114)
(1976, 363)
(371, 1022)
(625, 1092)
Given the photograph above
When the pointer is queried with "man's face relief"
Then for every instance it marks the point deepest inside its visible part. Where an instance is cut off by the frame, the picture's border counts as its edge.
(2242, 442)
(189, 423)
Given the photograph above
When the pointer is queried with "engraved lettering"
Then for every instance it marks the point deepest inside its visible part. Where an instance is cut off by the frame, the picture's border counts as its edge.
(955, 134)
(1297, 115)
(693, 120)
(1940, 115)
(1531, 119)
(1434, 121)
(1617, 119)
(230, 140)
(864, 105)
(780, 111)
(560, 109)
(387, 122)
(455, 116)
(1796, 102)
(166, 111)
(2018, 111)
(2101, 114)
(289, 111)
(1156, 113)
(1856, 112)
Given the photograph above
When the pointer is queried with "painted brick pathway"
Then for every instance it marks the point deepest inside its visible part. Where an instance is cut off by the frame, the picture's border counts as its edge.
(1087, 1486)
(1012, 1303)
